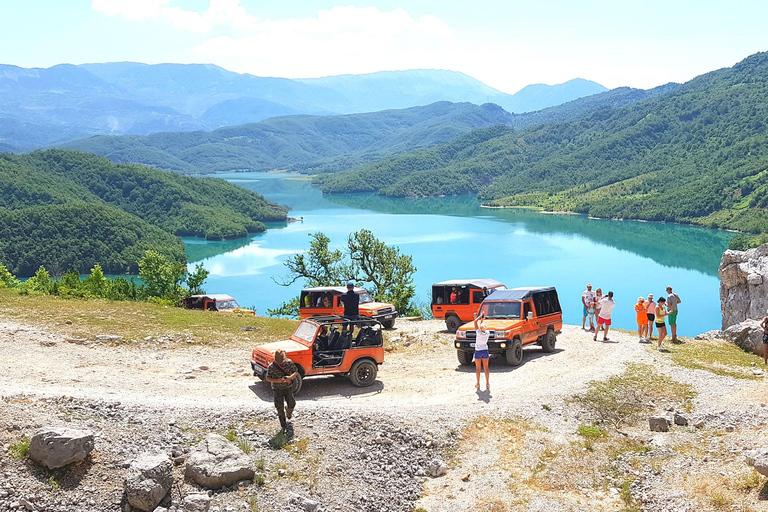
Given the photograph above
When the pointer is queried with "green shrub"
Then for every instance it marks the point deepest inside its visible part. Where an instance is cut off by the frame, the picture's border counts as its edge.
(20, 450)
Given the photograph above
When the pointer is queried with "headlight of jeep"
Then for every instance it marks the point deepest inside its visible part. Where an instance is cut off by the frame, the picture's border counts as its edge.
(458, 345)
(503, 345)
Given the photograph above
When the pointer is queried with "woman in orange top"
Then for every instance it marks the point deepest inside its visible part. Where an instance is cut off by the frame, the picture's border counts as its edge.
(642, 318)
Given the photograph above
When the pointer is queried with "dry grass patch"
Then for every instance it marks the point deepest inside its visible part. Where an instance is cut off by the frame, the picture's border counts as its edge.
(718, 357)
(87, 318)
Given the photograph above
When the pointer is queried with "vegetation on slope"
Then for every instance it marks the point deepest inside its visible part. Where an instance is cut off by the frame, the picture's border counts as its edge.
(65, 209)
(307, 143)
(698, 153)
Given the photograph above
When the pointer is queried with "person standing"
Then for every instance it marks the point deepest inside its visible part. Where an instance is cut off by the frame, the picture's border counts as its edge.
(587, 296)
(280, 374)
(673, 300)
(604, 316)
(659, 314)
(481, 350)
(454, 296)
(351, 301)
(642, 318)
(651, 314)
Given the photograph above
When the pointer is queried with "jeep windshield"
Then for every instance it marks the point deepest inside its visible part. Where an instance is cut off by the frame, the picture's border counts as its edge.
(305, 332)
(501, 309)
(227, 304)
(365, 298)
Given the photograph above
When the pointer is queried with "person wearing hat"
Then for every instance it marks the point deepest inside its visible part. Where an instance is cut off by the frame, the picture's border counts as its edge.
(651, 311)
(587, 297)
(280, 374)
(351, 301)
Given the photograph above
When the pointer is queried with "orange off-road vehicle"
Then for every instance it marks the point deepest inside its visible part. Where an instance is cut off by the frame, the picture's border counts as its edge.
(326, 300)
(328, 345)
(458, 300)
(216, 302)
(515, 317)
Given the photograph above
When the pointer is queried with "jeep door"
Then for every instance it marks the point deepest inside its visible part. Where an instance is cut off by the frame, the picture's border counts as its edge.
(531, 327)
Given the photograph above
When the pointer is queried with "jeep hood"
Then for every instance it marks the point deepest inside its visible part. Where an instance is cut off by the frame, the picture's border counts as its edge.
(494, 325)
(375, 306)
(289, 346)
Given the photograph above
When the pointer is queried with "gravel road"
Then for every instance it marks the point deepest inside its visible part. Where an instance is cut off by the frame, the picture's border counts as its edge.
(149, 395)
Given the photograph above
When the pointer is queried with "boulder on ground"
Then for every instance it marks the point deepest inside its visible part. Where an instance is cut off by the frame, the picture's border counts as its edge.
(148, 480)
(748, 335)
(759, 460)
(58, 447)
(437, 468)
(681, 419)
(659, 423)
(196, 502)
(215, 463)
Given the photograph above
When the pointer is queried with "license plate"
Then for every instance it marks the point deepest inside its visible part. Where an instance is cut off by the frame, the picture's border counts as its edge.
(387, 317)
(472, 345)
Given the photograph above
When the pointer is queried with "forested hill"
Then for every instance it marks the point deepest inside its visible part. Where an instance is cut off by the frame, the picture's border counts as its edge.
(698, 153)
(309, 143)
(66, 209)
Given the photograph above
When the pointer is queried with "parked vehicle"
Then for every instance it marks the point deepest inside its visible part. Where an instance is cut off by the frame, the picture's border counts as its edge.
(328, 345)
(325, 300)
(216, 302)
(515, 317)
(467, 296)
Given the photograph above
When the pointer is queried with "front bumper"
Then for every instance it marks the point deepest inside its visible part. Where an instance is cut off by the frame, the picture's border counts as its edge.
(494, 347)
(258, 370)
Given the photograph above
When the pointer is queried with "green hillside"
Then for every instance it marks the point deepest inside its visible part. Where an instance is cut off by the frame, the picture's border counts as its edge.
(66, 209)
(307, 143)
(698, 153)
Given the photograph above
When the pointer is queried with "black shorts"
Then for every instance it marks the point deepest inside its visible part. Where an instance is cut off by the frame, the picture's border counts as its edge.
(765, 338)
(650, 316)
(660, 325)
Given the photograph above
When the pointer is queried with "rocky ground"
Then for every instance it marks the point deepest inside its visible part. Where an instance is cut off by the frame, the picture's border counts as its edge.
(421, 437)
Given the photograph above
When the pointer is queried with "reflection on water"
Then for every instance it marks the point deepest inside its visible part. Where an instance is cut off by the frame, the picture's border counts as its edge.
(453, 237)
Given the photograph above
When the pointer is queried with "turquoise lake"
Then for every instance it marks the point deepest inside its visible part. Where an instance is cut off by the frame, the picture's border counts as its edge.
(454, 237)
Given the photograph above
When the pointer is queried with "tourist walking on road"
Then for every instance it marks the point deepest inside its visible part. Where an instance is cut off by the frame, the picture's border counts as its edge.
(604, 316)
(764, 325)
(642, 318)
(651, 315)
(587, 297)
(481, 349)
(659, 314)
(673, 300)
(280, 374)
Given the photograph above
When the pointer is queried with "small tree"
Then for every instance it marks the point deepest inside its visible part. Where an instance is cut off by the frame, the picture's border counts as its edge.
(384, 272)
(7, 280)
(40, 282)
(96, 283)
(162, 279)
(196, 279)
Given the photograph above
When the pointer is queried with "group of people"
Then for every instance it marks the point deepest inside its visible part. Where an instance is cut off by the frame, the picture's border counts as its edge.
(282, 370)
(598, 308)
(650, 313)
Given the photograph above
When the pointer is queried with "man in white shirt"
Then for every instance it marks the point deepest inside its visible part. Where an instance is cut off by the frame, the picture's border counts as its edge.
(604, 318)
(587, 296)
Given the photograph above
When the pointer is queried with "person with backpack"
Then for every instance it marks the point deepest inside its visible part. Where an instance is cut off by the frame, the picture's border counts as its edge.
(280, 374)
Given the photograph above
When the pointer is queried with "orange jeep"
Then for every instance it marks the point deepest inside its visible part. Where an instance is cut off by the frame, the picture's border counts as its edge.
(326, 300)
(459, 299)
(328, 345)
(515, 318)
(216, 302)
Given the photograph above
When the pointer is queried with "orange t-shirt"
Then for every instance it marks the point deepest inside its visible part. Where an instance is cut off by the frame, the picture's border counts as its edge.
(642, 316)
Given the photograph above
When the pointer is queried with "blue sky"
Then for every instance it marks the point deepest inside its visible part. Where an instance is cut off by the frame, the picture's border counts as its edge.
(507, 44)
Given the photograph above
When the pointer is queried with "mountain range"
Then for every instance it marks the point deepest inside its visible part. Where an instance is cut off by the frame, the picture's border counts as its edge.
(695, 153)
(43, 107)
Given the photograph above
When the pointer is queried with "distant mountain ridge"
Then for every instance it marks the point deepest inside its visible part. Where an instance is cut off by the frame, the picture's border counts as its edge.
(696, 152)
(69, 102)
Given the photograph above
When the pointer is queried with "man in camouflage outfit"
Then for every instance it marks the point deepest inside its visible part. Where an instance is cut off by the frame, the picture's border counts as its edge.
(280, 374)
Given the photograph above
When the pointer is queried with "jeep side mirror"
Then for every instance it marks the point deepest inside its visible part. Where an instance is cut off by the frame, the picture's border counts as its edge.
(530, 315)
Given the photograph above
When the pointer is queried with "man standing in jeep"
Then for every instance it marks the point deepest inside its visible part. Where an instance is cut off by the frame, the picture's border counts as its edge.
(280, 374)
(351, 302)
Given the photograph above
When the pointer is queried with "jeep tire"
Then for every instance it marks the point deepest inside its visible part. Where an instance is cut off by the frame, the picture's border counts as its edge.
(363, 373)
(452, 323)
(465, 357)
(388, 324)
(548, 341)
(514, 353)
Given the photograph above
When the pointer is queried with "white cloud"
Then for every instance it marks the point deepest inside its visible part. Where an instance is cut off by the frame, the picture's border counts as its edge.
(228, 13)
